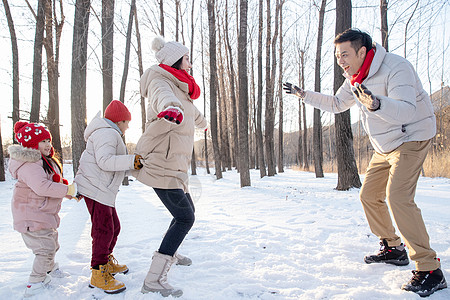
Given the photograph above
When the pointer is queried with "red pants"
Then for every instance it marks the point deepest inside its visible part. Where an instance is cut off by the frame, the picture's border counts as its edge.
(104, 232)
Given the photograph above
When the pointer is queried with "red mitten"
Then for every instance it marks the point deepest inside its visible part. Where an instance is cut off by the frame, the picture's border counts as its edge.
(172, 114)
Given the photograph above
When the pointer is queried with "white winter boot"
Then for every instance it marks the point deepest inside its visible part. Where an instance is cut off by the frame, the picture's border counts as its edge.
(37, 288)
(182, 260)
(56, 272)
(156, 279)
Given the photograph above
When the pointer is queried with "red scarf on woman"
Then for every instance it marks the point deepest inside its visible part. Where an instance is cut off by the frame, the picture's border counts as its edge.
(364, 70)
(182, 75)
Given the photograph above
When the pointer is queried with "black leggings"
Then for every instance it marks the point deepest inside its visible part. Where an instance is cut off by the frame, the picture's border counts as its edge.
(181, 207)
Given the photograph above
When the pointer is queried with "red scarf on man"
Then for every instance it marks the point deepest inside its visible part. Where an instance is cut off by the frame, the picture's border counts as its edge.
(364, 70)
(182, 75)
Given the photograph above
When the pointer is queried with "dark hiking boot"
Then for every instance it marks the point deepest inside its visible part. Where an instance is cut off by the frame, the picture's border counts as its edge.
(425, 283)
(389, 255)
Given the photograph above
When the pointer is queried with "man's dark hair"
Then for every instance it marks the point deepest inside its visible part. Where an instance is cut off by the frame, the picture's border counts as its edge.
(356, 37)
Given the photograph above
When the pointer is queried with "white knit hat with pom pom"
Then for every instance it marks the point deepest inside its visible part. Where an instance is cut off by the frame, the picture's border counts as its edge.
(168, 53)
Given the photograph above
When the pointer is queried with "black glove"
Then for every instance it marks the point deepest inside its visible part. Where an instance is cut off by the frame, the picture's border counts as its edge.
(293, 89)
(366, 97)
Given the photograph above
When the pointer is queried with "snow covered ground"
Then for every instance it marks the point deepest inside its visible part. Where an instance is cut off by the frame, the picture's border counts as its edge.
(291, 236)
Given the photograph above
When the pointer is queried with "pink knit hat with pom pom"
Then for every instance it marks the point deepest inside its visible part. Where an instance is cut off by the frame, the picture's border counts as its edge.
(30, 134)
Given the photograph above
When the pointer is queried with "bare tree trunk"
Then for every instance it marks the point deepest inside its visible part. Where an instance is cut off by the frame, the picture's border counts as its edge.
(280, 95)
(234, 113)
(204, 95)
(302, 115)
(78, 81)
(305, 138)
(301, 81)
(141, 67)
(107, 50)
(15, 67)
(223, 121)
(127, 51)
(213, 86)
(193, 162)
(53, 71)
(253, 152)
(347, 170)
(161, 16)
(2, 161)
(126, 64)
(259, 135)
(37, 62)
(384, 24)
(226, 161)
(243, 96)
(406, 26)
(317, 127)
(177, 19)
(270, 79)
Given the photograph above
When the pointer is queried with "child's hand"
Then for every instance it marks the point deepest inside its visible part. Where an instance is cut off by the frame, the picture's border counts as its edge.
(71, 190)
(78, 197)
(138, 162)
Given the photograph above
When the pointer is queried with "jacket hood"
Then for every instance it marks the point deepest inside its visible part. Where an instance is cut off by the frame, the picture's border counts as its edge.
(377, 61)
(19, 156)
(155, 71)
(98, 123)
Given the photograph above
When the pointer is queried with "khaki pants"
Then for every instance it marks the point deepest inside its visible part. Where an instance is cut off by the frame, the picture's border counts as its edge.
(393, 176)
(44, 244)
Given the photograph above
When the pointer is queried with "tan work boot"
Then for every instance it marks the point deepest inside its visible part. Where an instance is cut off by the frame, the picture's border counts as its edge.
(156, 279)
(114, 266)
(103, 279)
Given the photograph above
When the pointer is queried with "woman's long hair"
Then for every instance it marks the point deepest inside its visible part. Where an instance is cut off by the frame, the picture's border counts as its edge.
(177, 64)
(53, 159)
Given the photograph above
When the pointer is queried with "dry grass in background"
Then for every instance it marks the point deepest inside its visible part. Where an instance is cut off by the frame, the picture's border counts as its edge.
(437, 164)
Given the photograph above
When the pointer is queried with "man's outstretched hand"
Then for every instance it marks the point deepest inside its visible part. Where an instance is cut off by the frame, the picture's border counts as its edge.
(366, 97)
(294, 90)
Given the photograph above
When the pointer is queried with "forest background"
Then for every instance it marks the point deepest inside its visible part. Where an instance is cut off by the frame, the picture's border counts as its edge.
(283, 40)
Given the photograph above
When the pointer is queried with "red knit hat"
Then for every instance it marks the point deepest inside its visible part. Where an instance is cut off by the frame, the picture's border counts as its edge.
(30, 134)
(117, 111)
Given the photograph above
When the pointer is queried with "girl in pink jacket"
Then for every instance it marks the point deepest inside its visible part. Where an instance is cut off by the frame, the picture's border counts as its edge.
(37, 199)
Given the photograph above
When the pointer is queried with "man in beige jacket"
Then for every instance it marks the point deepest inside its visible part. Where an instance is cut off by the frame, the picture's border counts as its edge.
(398, 117)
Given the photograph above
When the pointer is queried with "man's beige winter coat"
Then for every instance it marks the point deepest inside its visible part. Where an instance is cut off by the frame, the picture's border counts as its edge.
(405, 113)
(103, 163)
(166, 147)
